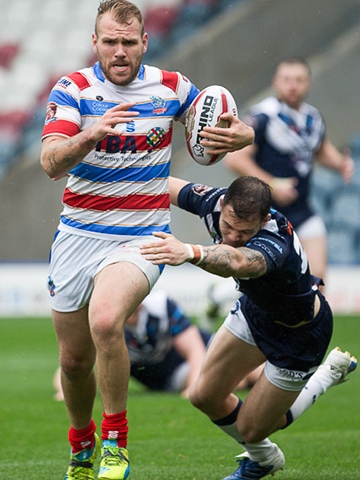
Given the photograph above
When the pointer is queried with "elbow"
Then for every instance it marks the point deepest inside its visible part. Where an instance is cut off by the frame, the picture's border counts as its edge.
(46, 167)
(49, 168)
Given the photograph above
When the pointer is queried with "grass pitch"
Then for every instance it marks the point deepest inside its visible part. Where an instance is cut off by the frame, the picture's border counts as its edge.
(168, 438)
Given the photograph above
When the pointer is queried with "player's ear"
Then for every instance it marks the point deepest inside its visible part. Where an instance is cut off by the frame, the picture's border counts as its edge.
(221, 204)
(145, 41)
(94, 42)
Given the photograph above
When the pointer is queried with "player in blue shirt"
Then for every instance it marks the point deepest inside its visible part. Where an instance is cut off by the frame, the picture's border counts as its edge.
(281, 319)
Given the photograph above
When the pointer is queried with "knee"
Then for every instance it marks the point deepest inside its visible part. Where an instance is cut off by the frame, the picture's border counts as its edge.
(107, 328)
(203, 402)
(74, 367)
(195, 397)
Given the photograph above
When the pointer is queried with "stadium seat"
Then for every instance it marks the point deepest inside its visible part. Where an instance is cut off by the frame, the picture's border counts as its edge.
(192, 16)
(324, 183)
(159, 21)
(8, 52)
(342, 247)
(346, 208)
(11, 126)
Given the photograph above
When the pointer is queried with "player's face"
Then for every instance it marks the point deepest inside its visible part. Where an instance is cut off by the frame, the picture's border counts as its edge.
(292, 83)
(120, 48)
(236, 232)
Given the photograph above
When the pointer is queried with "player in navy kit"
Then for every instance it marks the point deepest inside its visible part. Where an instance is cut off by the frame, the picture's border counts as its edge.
(289, 138)
(108, 129)
(281, 318)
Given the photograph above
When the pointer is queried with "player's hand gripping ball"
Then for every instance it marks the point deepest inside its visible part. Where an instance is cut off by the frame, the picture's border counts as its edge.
(205, 111)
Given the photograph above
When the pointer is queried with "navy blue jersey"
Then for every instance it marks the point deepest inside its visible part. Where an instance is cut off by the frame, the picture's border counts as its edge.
(160, 320)
(287, 141)
(286, 292)
(153, 356)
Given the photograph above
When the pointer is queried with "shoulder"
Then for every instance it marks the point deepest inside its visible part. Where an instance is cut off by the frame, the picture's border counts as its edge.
(260, 113)
(269, 106)
(73, 85)
(200, 199)
(171, 79)
(308, 109)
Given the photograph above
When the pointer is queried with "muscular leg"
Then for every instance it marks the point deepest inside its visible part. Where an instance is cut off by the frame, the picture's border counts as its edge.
(77, 357)
(263, 411)
(119, 289)
(228, 360)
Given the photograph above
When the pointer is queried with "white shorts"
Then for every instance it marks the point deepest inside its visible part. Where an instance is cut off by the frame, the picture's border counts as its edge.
(283, 378)
(311, 228)
(75, 261)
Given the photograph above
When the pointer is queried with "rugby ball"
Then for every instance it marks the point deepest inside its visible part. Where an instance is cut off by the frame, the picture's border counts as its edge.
(205, 111)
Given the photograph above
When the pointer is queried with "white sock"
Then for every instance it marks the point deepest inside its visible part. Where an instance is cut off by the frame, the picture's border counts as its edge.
(318, 384)
(259, 451)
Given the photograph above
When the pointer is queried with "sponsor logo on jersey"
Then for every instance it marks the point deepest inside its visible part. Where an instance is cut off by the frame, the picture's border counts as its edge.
(200, 189)
(50, 115)
(100, 108)
(159, 105)
(64, 83)
(155, 136)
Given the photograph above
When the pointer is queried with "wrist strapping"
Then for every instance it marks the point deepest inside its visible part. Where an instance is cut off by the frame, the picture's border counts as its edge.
(196, 253)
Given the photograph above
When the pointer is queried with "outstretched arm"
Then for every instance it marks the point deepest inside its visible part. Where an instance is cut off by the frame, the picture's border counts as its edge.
(221, 260)
(175, 185)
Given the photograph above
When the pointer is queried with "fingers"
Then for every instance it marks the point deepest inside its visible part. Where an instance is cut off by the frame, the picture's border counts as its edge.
(162, 235)
(117, 115)
(235, 136)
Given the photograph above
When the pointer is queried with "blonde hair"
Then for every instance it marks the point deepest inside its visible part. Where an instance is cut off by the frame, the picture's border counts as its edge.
(122, 10)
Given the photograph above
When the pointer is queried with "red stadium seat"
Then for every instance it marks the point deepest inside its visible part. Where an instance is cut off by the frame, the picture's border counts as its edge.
(8, 52)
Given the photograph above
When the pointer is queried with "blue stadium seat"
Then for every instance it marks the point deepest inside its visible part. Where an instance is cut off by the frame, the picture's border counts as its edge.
(193, 15)
(346, 208)
(342, 247)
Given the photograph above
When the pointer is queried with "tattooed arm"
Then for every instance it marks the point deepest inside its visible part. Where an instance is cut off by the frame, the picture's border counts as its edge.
(221, 260)
(59, 154)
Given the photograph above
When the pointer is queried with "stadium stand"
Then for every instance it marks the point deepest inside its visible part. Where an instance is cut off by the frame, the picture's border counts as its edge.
(34, 38)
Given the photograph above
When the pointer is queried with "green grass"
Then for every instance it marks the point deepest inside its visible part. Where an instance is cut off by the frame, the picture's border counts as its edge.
(168, 438)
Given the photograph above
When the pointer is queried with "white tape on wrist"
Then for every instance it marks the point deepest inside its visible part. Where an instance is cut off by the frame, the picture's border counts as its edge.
(190, 251)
